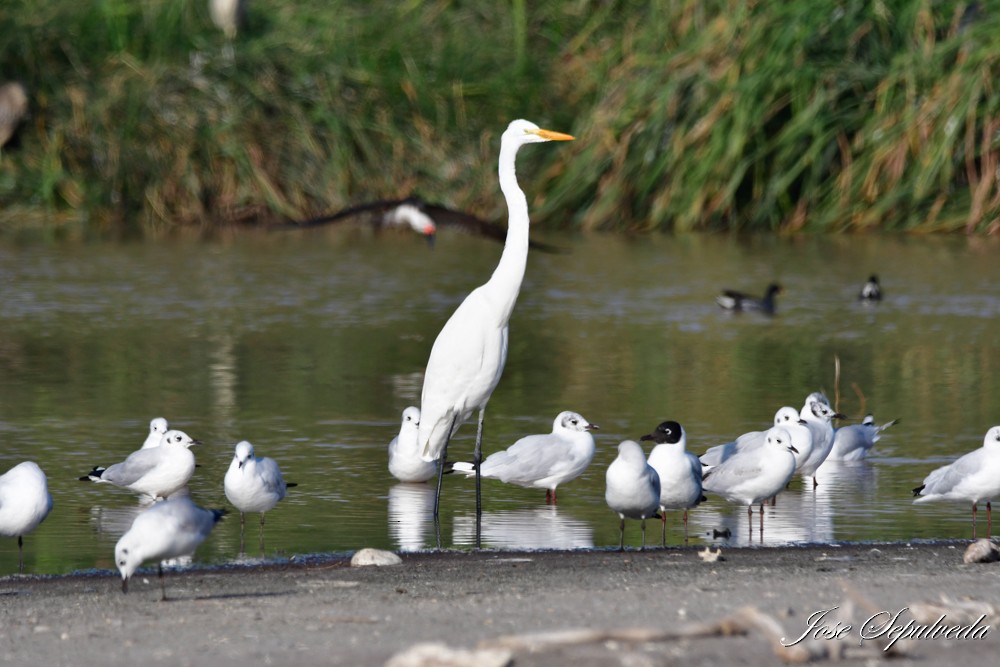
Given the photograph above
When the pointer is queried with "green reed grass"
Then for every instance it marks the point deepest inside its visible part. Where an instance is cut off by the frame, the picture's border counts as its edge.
(843, 115)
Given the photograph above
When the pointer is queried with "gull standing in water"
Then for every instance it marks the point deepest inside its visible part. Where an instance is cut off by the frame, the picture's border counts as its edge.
(542, 461)
(753, 476)
(468, 356)
(253, 484)
(789, 418)
(972, 478)
(168, 529)
(633, 488)
(405, 463)
(818, 415)
(24, 503)
(157, 428)
(853, 442)
(156, 472)
(679, 471)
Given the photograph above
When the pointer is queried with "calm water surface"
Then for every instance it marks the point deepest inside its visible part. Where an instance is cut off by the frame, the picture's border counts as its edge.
(310, 345)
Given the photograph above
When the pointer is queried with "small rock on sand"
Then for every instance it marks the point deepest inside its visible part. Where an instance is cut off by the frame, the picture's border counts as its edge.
(981, 551)
(434, 654)
(370, 556)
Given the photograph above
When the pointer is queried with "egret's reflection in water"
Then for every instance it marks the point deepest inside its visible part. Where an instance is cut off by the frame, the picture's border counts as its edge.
(543, 527)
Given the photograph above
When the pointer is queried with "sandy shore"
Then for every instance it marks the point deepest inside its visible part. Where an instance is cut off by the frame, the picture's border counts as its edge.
(324, 612)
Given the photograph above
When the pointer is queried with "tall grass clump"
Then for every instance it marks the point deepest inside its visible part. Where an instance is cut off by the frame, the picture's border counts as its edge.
(692, 115)
(826, 116)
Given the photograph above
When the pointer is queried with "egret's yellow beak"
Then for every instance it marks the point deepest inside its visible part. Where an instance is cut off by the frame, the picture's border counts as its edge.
(551, 135)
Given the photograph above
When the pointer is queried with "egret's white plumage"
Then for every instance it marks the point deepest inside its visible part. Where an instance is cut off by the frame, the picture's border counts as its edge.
(468, 356)
(679, 471)
(253, 484)
(853, 442)
(632, 488)
(542, 461)
(24, 503)
(972, 478)
(405, 463)
(818, 415)
(157, 428)
(168, 529)
(752, 476)
(156, 472)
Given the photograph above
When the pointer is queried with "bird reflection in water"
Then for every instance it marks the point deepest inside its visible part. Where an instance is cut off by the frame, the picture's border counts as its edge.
(542, 527)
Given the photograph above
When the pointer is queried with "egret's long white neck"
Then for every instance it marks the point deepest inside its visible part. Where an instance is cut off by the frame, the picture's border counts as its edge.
(505, 283)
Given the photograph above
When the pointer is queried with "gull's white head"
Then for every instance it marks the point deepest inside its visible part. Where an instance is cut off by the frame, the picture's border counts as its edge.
(411, 418)
(244, 453)
(572, 421)
(786, 415)
(778, 437)
(158, 425)
(128, 558)
(992, 438)
(179, 439)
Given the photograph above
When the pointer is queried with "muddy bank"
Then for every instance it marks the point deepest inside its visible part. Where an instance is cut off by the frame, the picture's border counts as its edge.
(324, 612)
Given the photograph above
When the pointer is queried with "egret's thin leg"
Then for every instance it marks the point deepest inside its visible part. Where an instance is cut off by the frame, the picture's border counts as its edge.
(477, 459)
(437, 490)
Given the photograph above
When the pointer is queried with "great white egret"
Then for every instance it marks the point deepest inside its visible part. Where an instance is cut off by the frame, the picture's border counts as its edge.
(24, 503)
(156, 472)
(414, 213)
(468, 356)
(679, 470)
(253, 484)
(168, 529)
(733, 300)
(542, 461)
(971, 478)
(871, 290)
(13, 107)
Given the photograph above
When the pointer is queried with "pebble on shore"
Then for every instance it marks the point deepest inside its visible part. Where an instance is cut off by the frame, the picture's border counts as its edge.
(378, 557)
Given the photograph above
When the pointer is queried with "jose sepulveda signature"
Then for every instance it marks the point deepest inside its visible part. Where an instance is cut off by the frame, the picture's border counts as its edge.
(888, 626)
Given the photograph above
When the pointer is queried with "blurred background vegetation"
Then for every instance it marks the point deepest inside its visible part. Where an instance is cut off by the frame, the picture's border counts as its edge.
(817, 115)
